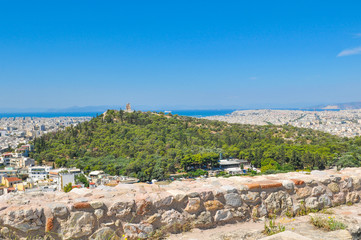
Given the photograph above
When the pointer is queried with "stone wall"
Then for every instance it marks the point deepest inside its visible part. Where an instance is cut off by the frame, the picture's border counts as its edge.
(141, 210)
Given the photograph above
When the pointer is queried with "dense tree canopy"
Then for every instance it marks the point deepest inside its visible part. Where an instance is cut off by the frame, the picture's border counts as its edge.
(151, 145)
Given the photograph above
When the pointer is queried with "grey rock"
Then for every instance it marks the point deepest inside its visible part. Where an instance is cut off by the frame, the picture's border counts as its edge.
(325, 181)
(204, 219)
(97, 205)
(121, 209)
(59, 210)
(312, 203)
(233, 199)
(316, 191)
(223, 215)
(164, 202)
(339, 198)
(137, 231)
(172, 216)
(278, 201)
(262, 210)
(99, 213)
(206, 195)
(348, 183)
(288, 185)
(325, 200)
(251, 198)
(80, 224)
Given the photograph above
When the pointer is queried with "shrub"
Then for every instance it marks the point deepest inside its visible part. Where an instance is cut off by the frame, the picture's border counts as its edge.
(68, 187)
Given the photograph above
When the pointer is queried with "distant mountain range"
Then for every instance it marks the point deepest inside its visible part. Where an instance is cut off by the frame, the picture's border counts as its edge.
(340, 106)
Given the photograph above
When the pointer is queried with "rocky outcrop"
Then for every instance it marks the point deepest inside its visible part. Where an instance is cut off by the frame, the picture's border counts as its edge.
(140, 210)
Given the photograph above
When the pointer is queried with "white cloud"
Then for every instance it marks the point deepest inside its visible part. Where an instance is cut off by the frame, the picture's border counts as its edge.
(348, 52)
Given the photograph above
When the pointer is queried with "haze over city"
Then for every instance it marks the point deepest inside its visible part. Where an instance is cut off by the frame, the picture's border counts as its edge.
(186, 54)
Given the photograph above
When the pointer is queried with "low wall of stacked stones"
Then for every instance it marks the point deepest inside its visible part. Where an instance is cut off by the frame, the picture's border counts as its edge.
(173, 210)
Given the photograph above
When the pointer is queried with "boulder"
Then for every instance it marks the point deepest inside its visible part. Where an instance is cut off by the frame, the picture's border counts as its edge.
(206, 195)
(325, 181)
(334, 187)
(193, 206)
(356, 183)
(213, 205)
(347, 183)
(171, 217)
(153, 218)
(164, 201)
(233, 199)
(317, 191)
(312, 203)
(251, 198)
(303, 192)
(143, 207)
(138, 231)
(278, 201)
(339, 198)
(80, 224)
(223, 215)
(204, 219)
(352, 197)
(121, 209)
(25, 220)
(99, 213)
(59, 210)
(288, 185)
(325, 200)
(97, 205)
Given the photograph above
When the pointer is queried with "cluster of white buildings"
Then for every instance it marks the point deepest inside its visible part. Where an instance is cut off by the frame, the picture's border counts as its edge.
(344, 123)
(19, 130)
(19, 173)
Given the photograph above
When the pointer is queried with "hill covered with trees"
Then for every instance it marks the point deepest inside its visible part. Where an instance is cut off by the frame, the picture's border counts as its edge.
(151, 145)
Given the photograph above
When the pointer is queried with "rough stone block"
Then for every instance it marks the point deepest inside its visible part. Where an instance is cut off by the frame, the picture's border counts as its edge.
(213, 205)
(233, 199)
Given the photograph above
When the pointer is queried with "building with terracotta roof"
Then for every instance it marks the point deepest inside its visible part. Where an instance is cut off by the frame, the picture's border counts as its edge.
(10, 181)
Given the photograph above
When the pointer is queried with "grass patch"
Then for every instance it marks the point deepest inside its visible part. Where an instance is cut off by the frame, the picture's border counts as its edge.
(328, 224)
(272, 227)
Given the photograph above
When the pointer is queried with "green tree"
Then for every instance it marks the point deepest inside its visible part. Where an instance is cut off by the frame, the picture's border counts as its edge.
(68, 187)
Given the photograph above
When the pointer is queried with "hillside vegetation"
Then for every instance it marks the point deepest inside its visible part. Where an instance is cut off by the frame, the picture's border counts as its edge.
(152, 145)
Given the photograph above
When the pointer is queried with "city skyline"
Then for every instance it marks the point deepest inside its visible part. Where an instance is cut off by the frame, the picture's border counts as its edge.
(179, 55)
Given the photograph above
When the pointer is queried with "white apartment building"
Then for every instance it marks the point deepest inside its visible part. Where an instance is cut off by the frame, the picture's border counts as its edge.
(39, 172)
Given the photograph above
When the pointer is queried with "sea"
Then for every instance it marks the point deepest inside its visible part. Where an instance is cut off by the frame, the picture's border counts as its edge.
(189, 113)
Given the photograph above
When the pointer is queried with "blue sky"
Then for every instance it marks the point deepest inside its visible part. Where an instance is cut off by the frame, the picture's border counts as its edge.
(179, 54)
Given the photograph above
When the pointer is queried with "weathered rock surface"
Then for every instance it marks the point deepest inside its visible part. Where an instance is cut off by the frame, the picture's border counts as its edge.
(139, 210)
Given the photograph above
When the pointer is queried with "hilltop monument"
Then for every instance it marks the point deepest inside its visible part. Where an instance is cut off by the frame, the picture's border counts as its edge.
(128, 108)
